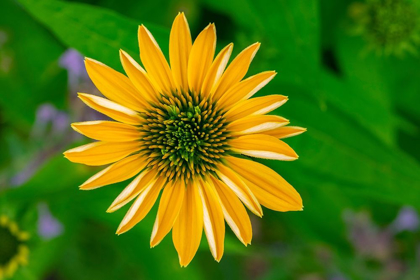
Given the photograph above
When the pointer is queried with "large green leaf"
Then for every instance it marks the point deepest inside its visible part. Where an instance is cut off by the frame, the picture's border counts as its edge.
(30, 74)
(367, 73)
(390, 86)
(288, 30)
(337, 150)
(95, 32)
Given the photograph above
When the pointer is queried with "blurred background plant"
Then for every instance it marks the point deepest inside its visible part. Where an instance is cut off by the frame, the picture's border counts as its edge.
(391, 26)
(351, 71)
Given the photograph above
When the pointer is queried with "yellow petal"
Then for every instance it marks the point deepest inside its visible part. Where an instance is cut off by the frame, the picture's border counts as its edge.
(234, 212)
(256, 124)
(114, 85)
(138, 77)
(214, 223)
(201, 57)
(216, 69)
(246, 88)
(154, 61)
(107, 131)
(111, 109)
(141, 206)
(255, 106)
(235, 71)
(118, 172)
(269, 187)
(180, 44)
(169, 207)
(263, 146)
(141, 182)
(188, 228)
(286, 131)
(101, 153)
(234, 182)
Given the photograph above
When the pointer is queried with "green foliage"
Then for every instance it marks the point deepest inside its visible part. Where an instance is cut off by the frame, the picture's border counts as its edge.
(95, 32)
(360, 152)
(29, 72)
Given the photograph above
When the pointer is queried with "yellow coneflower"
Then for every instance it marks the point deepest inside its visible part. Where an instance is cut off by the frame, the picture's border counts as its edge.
(13, 250)
(181, 130)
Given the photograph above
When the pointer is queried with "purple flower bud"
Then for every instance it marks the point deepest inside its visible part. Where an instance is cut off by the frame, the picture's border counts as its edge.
(48, 226)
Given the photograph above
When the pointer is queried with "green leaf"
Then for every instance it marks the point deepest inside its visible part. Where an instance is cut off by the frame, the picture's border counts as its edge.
(30, 74)
(371, 84)
(336, 150)
(288, 31)
(365, 106)
(95, 32)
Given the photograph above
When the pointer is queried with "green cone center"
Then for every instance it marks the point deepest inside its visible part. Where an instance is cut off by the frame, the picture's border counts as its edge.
(393, 21)
(185, 135)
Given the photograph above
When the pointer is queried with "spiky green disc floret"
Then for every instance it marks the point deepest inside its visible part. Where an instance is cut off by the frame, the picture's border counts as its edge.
(184, 135)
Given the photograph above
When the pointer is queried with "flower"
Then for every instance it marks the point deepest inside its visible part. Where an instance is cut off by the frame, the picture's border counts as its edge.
(13, 250)
(182, 129)
(389, 26)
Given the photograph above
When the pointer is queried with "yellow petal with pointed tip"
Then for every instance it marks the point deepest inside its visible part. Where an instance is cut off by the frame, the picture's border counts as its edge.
(201, 57)
(246, 88)
(234, 212)
(263, 146)
(216, 69)
(256, 124)
(255, 106)
(138, 77)
(101, 153)
(141, 206)
(154, 61)
(107, 131)
(234, 182)
(269, 187)
(235, 71)
(114, 85)
(286, 131)
(180, 44)
(169, 207)
(111, 109)
(118, 172)
(214, 223)
(141, 182)
(188, 228)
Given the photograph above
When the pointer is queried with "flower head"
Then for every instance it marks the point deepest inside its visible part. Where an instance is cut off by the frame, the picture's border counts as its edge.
(390, 26)
(188, 130)
(13, 249)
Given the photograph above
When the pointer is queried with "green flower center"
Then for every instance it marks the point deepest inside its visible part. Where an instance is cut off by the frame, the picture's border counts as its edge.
(392, 21)
(392, 26)
(185, 135)
(8, 246)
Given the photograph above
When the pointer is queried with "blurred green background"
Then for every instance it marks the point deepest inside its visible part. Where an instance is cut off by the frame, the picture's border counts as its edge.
(352, 73)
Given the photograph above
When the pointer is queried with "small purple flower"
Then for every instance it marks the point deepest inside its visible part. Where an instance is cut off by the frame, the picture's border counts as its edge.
(45, 112)
(61, 122)
(407, 219)
(48, 226)
(72, 60)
